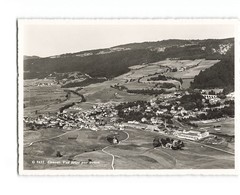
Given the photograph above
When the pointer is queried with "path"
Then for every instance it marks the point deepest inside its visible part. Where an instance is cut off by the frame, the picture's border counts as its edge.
(113, 157)
(125, 138)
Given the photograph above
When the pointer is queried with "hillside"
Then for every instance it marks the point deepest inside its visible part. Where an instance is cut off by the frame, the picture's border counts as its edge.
(115, 61)
(221, 75)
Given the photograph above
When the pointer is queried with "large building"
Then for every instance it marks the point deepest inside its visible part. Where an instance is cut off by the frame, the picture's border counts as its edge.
(193, 135)
(209, 96)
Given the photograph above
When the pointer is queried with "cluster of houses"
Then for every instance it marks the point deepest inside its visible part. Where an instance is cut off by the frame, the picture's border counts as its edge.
(173, 110)
(48, 81)
(42, 84)
(105, 116)
(157, 110)
(98, 116)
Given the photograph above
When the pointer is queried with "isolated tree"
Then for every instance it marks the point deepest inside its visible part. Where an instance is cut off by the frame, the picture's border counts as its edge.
(181, 81)
(168, 140)
(89, 161)
(156, 142)
(59, 154)
(163, 142)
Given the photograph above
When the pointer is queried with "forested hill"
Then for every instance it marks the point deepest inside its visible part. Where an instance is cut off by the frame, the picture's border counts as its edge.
(115, 61)
(220, 75)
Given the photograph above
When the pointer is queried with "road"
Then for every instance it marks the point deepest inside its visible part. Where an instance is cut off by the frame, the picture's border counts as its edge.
(108, 153)
(178, 122)
(113, 157)
(46, 139)
(125, 138)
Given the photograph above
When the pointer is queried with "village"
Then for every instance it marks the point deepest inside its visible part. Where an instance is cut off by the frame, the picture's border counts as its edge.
(170, 114)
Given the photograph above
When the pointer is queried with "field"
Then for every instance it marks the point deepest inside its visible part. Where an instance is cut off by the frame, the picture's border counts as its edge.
(91, 150)
(224, 126)
(143, 71)
(40, 98)
(186, 83)
(45, 99)
(102, 93)
(178, 63)
(140, 73)
(191, 72)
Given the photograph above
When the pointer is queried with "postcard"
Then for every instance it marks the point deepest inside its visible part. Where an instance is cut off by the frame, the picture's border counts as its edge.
(127, 96)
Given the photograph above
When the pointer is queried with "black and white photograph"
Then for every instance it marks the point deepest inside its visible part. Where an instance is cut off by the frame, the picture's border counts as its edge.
(126, 96)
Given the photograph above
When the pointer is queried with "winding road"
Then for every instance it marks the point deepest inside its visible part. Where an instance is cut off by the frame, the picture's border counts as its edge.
(113, 157)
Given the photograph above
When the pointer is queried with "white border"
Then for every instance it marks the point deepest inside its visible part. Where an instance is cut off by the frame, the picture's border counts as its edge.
(134, 21)
(22, 22)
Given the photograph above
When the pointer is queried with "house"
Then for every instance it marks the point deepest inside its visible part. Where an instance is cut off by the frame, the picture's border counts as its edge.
(148, 109)
(181, 69)
(152, 127)
(144, 120)
(115, 140)
(133, 122)
(173, 111)
(214, 101)
(159, 112)
(153, 120)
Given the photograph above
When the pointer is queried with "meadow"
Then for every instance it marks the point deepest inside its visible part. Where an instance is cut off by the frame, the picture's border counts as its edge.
(134, 152)
(191, 72)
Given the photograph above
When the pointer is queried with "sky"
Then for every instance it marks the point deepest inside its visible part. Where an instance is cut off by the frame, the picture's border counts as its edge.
(47, 39)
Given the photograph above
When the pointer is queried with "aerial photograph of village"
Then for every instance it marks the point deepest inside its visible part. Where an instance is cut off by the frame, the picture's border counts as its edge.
(131, 99)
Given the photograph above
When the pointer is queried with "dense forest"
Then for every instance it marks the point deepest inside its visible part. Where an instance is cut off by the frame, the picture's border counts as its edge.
(105, 65)
(147, 91)
(192, 101)
(220, 75)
